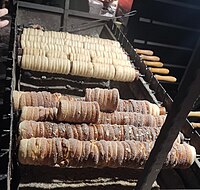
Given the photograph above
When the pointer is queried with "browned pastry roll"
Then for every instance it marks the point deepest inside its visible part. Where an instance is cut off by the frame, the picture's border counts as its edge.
(78, 111)
(84, 132)
(140, 106)
(45, 99)
(131, 118)
(108, 99)
(38, 113)
(72, 152)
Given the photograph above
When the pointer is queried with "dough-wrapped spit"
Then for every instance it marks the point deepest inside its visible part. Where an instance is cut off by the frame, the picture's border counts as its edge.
(45, 64)
(131, 118)
(67, 54)
(84, 132)
(79, 68)
(140, 106)
(108, 99)
(44, 99)
(82, 68)
(38, 113)
(75, 153)
(68, 111)
(53, 37)
(78, 111)
(34, 51)
(104, 71)
(116, 58)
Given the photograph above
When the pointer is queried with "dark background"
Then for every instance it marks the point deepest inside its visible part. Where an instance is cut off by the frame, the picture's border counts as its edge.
(171, 29)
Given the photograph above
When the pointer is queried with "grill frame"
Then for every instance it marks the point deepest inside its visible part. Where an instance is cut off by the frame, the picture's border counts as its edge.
(150, 88)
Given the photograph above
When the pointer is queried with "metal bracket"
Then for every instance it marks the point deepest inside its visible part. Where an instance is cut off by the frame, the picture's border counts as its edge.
(176, 119)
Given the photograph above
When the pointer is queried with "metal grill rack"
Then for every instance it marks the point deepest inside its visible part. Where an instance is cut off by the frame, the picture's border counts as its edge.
(63, 19)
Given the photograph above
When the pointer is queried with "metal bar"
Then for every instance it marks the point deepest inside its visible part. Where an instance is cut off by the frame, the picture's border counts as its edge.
(169, 46)
(40, 7)
(136, 59)
(188, 92)
(88, 15)
(175, 66)
(96, 18)
(147, 20)
(179, 4)
(65, 16)
(75, 29)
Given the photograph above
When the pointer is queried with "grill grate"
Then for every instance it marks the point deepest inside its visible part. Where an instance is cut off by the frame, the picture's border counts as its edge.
(145, 88)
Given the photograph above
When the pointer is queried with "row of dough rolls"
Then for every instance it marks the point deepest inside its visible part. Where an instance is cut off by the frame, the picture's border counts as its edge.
(89, 112)
(100, 130)
(88, 132)
(80, 56)
(36, 99)
(68, 111)
(79, 68)
(75, 53)
(56, 44)
(72, 152)
(72, 40)
(65, 36)
(108, 100)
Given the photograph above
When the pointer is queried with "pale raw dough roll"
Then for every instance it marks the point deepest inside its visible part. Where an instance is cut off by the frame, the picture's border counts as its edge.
(32, 31)
(67, 50)
(79, 57)
(121, 62)
(25, 31)
(29, 62)
(58, 65)
(125, 74)
(56, 54)
(80, 68)
(29, 44)
(16, 99)
(53, 34)
(43, 64)
(75, 50)
(54, 48)
(35, 52)
(102, 60)
(43, 46)
(104, 71)
(72, 37)
(99, 53)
